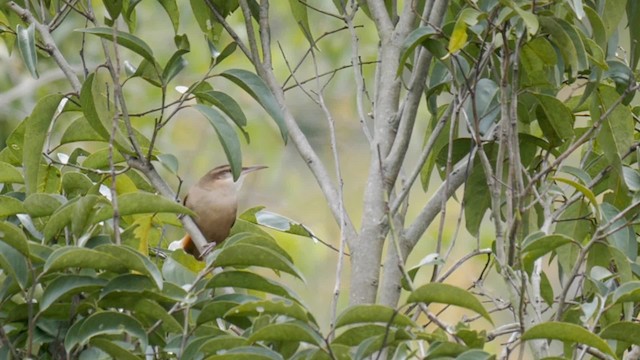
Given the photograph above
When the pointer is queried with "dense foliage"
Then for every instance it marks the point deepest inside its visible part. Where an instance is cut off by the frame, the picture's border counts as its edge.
(529, 114)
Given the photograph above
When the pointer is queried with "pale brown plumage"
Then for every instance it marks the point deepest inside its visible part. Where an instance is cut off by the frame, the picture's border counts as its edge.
(214, 199)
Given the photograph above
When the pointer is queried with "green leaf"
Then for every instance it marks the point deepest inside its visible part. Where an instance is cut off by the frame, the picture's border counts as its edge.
(254, 86)
(40, 204)
(142, 203)
(228, 105)
(568, 333)
(106, 323)
(536, 247)
(72, 257)
(372, 313)
(299, 12)
(259, 216)
(10, 206)
(67, 285)
(247, 353)
(249, 280)
(14, 237)
(627, 292)
(612, 14)
(291, 331)
(458, 37)
(9, 174)
(36, 129)
(114, 8)
(171, 8)
(271, 307)
(14, 264)
(448, 294)
(530, 20)
(584, 190)
(227, 137)
(80, 130)
(416, 37)
(125, 39)
(563, 42)
(355, 335)
(127, 284)
(27, 47)
(623, 239)
(110, 347)
(175, 64)
(616, 133)
(133, 260)
(252, 255)
(558, 122)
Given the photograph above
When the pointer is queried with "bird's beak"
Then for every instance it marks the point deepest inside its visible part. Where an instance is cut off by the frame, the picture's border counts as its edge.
(248, 169)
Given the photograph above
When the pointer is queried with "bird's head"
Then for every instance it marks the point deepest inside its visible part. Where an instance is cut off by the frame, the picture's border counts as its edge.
(222, 176)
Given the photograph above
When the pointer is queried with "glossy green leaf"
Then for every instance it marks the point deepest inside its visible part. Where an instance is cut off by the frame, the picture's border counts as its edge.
(562, 41)
(291, 331)
(355, 335)
(36, 128)
(40, 204)
(107, 323)
(9, 174)
(627, 292)
(255, 87)
(67, 285)
(568, 333)
(14, 237)
(415, 38)
(80, 130)
(299, 12)
(252, 255)
(259, 216)
(142, 202)
(26, 38)
(227, 137)
(612, 16)
(558, 122)
(10, 206)
(372, 313)
(252, 281)
(111, 348)
(14, 264)
(624, 239)
(584, 190)
(597, 27)
(271, 307)
(228, 106)
(247, 353)
(133, 260)
(125, 39)
(174, 66)
(114, 8)
(530, 20)
(218, 344)
(458, 37)
(448, 294)
(250, 238)
(171, 8)
(77, 257)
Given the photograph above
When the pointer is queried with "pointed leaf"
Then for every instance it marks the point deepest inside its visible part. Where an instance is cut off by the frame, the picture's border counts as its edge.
(9, 174)
(80, 130)
(171, 8)
(255, 87)
(14, 237)
(40, 204)
(259, 216)
(415, 38)
(36, 128)
(271, 307)
(226, 135)
(584, 190)
(10, 206)
(111, 348)
(252, 255)
(27, 47)
(293, 331)
(71, 257)
(372, 313)
(67, 285)
(133, 260)
(624, 331)
(568, 333)
(627, 292)
(14, 264)
(125, 39)
(448, 294)
(107, 323)
(299, 12)
(228, 105)
(252, 281)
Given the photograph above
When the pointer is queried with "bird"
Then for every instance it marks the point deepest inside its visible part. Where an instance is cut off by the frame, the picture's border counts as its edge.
(214, 199)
